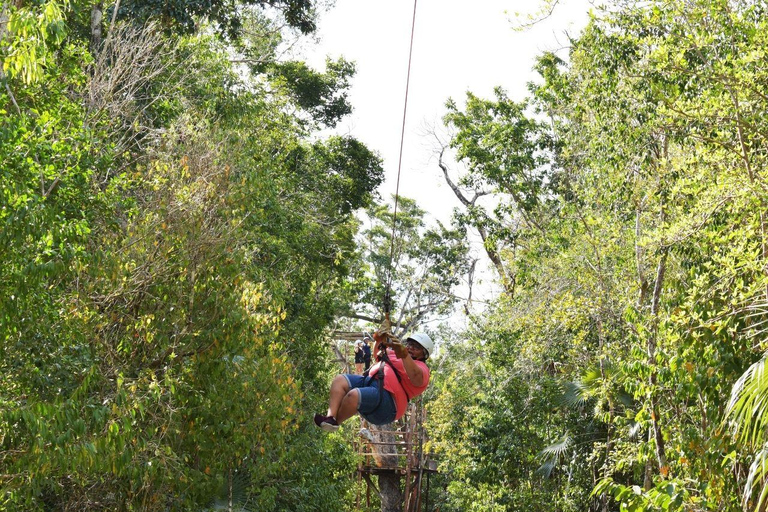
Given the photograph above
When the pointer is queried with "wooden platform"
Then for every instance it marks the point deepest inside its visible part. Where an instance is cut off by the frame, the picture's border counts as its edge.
(399, 449)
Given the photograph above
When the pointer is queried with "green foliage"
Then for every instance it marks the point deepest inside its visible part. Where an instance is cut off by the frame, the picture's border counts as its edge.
(486, 426)
(184, 16)
(174, 243)
(639, 270)
(341, 170)
(322, 95)
(31, 32)
(747, 415)
(176, 239)
(502, 146)
(668, 495)
(420, 269)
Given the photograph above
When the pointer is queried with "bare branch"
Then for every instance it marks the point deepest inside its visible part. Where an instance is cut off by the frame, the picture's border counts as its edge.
(129, 60)
(358, 316)
(493, 255)
(366, 318)
(457, 192)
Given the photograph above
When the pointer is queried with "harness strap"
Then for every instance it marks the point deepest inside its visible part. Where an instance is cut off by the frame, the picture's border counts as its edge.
(397, 374)
(380, 378)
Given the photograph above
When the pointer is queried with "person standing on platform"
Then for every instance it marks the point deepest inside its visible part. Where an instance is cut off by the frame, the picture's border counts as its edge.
(359, 357)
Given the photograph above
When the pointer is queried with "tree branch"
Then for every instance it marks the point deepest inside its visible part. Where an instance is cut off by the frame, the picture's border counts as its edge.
(457, 192)
(366, 318)
(507, 281)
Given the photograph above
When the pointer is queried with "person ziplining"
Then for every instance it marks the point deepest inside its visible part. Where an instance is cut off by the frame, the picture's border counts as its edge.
(381, 395)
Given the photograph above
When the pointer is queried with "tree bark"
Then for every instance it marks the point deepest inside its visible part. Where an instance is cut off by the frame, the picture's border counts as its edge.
(386, 458)
(3, 23)
(3, 32)
(653, 338)
(657, 435)
(639, 260)
(390, 492)
(374, 320)
(97, 15)
(648, 473)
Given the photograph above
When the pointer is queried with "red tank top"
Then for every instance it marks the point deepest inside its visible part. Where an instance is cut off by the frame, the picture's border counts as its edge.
(404, 389)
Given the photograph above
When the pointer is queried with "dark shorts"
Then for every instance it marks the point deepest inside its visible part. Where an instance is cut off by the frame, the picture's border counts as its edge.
(359, 358)
(369, 407)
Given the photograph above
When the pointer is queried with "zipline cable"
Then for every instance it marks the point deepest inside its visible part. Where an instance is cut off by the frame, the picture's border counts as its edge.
(388, 291)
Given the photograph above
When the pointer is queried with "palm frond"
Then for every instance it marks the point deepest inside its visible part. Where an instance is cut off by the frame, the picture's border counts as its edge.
(758, 472)
(558, 447)
(592, 378)
(748, 405)
(546, 469)
(747, 417)
(551, 455)
(595, 382)
(625, 399)
(234, 493)
(574, 393)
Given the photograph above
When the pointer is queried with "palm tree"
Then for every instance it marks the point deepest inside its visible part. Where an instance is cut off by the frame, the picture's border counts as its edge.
(747, 418)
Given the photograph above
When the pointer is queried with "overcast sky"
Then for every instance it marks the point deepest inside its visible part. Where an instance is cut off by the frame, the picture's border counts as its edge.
(458, 46)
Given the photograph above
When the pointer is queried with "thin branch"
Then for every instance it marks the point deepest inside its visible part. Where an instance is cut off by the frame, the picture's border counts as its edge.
(114, 17)
(367, 318)
(10, 93)
(536, 21)
(493, 255)
(457, 192)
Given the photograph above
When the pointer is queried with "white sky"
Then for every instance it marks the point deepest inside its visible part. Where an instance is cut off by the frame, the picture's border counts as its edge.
(458, 46)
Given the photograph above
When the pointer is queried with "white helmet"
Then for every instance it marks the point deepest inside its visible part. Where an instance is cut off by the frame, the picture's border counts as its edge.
(422, 339)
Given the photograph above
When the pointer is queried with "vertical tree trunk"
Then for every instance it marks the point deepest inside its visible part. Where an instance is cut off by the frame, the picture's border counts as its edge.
(391, 494)
(97, 14)
(3, 33)
(648, 473)
(661, 269)
(3, 22)
(657, 435)
(639, 259)
(387, 458)
(230, 501)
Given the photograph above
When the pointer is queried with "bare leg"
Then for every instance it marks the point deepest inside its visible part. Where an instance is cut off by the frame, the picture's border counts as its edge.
(348, 406)
(343, 402)
(339, 388)
(359, 368)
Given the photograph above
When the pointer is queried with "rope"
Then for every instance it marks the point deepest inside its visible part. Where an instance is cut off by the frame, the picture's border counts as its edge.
(388, 292)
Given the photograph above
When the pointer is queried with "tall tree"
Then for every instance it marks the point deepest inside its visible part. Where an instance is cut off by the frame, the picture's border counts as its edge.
(640, 294)
(174, 245)
(507, 153)
(419, 270)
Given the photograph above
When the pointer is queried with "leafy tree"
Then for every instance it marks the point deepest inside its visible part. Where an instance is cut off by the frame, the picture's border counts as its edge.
(507, 154)
(418, 272)
(174, 244)
(646, 279)
(227, 16)
(322, 95)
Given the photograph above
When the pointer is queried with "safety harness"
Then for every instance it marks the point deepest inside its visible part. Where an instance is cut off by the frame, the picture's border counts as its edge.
(382, 356)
